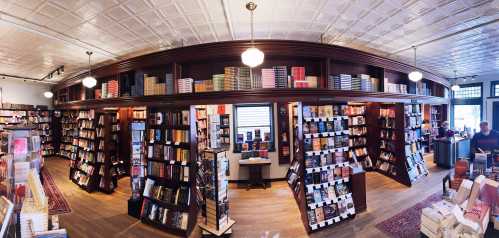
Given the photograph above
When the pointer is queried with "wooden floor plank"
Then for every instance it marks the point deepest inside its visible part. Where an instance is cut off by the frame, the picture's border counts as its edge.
(270, 212)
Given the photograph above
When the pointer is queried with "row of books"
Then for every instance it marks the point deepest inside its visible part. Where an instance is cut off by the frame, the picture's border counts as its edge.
(167, 152)
(169, 195)
(326, 193)
(161, 215)
(152, 86)
(394, 87)
(325, 126)
(88, 134)
(327, 176)
(358, 131)
(169, 135)
(110, 89)
(320, 214)
(313, 161)
(168, 171)
(170, 118)
(86, 124)
(325, 143)
(325, 111)
(90, 114)
(360, 82)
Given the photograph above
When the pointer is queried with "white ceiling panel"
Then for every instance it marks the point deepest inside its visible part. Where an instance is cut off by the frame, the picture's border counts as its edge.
(60, 31)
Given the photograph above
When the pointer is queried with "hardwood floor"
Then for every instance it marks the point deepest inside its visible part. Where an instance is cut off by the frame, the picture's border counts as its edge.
(258, 213)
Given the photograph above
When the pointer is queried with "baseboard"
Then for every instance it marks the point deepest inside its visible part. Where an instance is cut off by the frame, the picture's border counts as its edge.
(265, 180)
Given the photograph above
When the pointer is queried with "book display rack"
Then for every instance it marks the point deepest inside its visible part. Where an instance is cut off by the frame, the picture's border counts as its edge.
(357, 142)
(400, 152)
(12, 117)
(84, 169)
(225, 131)
(416, 167)
(42, 119)
(138, 163)
(167, 197)
(215, 213)
(69, 128)
(324, 192)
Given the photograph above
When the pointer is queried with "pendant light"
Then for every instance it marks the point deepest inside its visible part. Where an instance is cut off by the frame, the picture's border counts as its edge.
(252, 56)
(89, 81)
(48, 94)
(455, 86)
(415, 75)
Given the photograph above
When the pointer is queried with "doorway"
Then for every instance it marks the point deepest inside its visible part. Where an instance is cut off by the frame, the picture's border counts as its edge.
(495, 116)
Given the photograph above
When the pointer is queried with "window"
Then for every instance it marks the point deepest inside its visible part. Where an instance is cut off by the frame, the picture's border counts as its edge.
(253, 122)
(467, 115)
(495, 89)
(466, 92)
(466, 110)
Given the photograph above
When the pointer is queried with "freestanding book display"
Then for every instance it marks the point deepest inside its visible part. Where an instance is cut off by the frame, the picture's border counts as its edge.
(216, 210)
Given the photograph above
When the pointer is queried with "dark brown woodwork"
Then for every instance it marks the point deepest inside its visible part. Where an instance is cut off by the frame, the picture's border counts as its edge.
(233, 49)
(256, 95)
(359, 191)
(283, 130)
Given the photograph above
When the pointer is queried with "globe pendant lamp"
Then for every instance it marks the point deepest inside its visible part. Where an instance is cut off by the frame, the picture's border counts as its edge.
(252, 56)
(48, 94)
(89, 81)
(415, 75)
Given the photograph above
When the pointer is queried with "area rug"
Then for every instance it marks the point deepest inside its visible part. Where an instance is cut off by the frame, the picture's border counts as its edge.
(406, 224)
(57, 203)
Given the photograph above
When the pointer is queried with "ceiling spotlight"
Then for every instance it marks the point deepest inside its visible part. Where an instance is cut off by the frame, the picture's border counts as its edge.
(48, 94)
(415, 75)
(252, 56)
(89, 81)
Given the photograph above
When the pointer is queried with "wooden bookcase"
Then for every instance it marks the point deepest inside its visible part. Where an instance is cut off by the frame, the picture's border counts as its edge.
(171, 169)
(283, 137)
(69, 131)
(84, 169)
(111, 166)
(225, 131)
(358, 142)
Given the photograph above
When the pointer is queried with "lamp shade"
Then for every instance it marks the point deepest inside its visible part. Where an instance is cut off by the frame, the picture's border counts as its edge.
(252, 57)
(89, 82)
(415, 76)
(455, 87)
(48, 94)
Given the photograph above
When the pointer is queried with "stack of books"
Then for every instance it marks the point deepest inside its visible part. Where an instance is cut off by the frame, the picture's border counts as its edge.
(345, 81)
(365, 82)
(268, 78)
(151, 87)
(243, 79)
(230, 78)
(185, 85)
(113, 89)
(356, 83)
(218, 82)
(203, 86)
(298, 73)
(256, 81)
(281, 76)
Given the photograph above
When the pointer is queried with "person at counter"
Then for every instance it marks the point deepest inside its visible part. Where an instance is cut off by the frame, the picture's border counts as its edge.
(486, 140)
(443, 130)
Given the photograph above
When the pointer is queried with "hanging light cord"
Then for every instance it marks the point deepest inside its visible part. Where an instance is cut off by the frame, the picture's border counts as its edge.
(415, 59)
(251, 6)
(89, 53)
(252, 42)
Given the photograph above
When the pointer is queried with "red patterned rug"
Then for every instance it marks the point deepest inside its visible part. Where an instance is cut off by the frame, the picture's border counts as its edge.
(57, 203)
(406, 224)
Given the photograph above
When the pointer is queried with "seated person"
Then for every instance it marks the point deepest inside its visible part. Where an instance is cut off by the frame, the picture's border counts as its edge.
(443, 130)
(486, 140)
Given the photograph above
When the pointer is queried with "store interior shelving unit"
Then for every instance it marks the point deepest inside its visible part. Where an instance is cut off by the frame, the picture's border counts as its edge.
(358, 142)
(138, 161)
(69, 132)
(283, 137)
(322, 186)
(10, 117)
(42, 119)
(84, 169)
(108, 156)
(225, 131)
(168, 197)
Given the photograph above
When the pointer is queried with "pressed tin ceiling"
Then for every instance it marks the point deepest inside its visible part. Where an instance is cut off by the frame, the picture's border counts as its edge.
(37, 36)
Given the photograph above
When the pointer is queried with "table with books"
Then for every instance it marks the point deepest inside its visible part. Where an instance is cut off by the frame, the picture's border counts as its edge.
(255, 166)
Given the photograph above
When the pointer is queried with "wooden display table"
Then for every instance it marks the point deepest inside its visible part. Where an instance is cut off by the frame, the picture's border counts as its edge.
(255, 166)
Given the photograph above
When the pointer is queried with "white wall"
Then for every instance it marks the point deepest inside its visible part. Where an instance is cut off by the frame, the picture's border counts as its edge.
(274, 171)
(17, 91)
